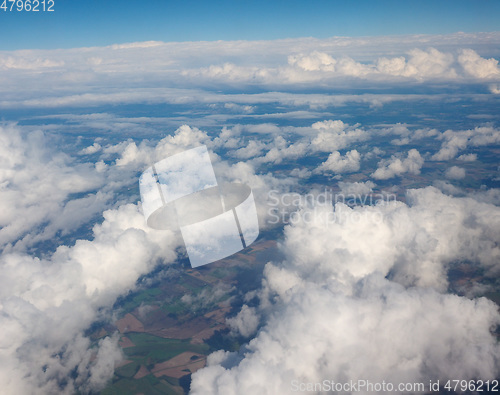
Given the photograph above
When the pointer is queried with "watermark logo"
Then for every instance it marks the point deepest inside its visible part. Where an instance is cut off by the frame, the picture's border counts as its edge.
(181, 192)
(327, 206)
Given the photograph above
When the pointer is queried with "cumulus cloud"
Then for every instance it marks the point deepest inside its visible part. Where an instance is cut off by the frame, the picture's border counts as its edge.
(336, 163)
(455, 141)
(35, 184)
(452, 145)
(28, 63)
(315, 61)
(319, 61)
(274, 146)
(245, 322)
(131, 155)
(395, 166)
(207, 296)
(405, 135)
(144, 154)
(367, 285)
(468, 157)
(333, 135)
(83, 75)
(371, 282)
(34, 297)
(282, 149)
(455, 173)
(477, 66)
(252, 149)
(302, 344)
(356, 188)
(420, 65)
(300, 173)
(91, 149)
(230, 72)
(48, 303)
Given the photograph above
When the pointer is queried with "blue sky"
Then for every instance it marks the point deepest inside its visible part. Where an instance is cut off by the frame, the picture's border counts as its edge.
(79, 23)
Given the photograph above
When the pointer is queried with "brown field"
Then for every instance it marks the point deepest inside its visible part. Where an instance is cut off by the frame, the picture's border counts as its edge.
(129, 324)
(177, 366)
(142, 372)
(206, 334)
(218, 315)
(125, 342)
(202, 277)
(122, 363)
(182, 331)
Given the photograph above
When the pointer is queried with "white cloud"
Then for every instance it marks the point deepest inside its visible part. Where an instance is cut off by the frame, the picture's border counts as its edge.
(356, 188)
(477, 66)
(252, 149)
(378, 270)
(91, 149)
(84, 74)
(324, 136)
(468, 157)
(47, 303)
(300, 173)
(395, 166)
(229, 72)
(456, 141)
(35, 184)
(313, 62)
(238, 108)
(424, 133)
(144, 154)
(282, 149)
(207, 296)
(245, 322)
(104, 365)
(303, 344)
(22, 63)
(337, 163)
(333, 135)
(448, 188)
(420, 65)
(406, 135)
(455, 173)
(366, 287)
(452, 145)
(320, 61)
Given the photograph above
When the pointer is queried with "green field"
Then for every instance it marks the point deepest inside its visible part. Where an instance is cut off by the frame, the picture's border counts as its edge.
(150, 350)
(149, 385)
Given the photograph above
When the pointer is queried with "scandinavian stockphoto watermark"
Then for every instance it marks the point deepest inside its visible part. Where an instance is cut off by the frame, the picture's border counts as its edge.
(326, 206)
(181, 193)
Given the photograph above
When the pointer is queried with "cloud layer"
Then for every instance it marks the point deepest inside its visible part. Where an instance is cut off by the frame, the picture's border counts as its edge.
(358, 284)
(180, 72)
(367, 285)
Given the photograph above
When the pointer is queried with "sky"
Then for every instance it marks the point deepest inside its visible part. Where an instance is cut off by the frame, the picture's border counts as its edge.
(365, 99)
(97, 23)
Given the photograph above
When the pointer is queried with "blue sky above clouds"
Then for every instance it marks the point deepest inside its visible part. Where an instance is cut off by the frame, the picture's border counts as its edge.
(96, 23)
